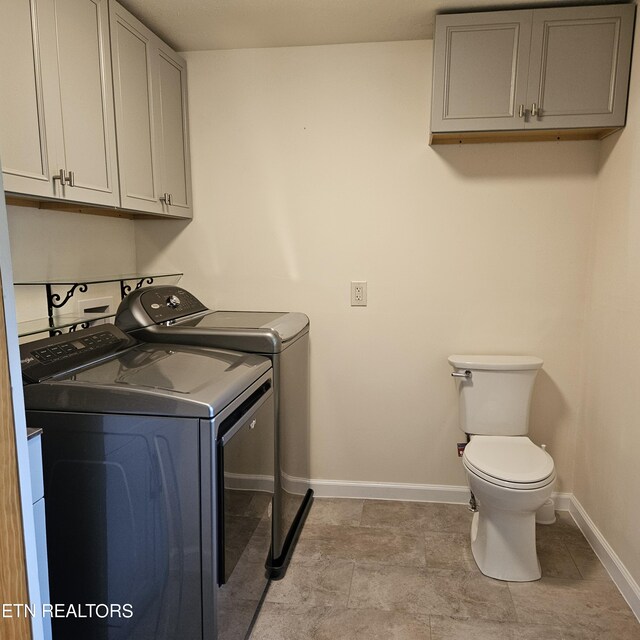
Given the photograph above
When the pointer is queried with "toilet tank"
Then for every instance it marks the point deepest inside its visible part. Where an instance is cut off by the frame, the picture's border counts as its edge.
(496, 398)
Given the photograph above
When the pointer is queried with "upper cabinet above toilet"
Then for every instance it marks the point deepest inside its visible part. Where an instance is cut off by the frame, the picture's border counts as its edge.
(535, 74)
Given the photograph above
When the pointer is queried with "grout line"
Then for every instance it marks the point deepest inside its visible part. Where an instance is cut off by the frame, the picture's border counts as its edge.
(566, 549)
(353, 570)
(361, 513)
(513, 602)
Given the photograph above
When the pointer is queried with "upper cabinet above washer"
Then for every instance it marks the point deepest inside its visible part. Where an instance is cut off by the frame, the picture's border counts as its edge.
(174, 132)
(150, 88)
(559, 73)
(27, 154)
(62, 112)
(57, 132)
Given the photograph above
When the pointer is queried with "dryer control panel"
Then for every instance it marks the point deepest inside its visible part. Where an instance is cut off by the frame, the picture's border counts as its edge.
(45, 358)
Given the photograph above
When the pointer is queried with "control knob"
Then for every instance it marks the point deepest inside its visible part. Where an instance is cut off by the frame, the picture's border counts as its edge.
(173, 301)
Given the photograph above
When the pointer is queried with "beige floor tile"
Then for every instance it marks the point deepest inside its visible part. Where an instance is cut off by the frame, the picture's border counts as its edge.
(555, 559)
(587, 604)
(362, 624)
(335, 511)
(314, 585)
(283, 622)
(327, 542)
(446, 628)
(426, 591)
(449, 551)
(564, 529)
(416, 516)
(608, 630)
(389, 588)
(588, 563)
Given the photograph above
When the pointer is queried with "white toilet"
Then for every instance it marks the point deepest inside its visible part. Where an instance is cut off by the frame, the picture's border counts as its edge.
(510, 476)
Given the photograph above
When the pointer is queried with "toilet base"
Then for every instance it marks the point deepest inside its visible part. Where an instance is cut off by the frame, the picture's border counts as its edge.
(503, 544)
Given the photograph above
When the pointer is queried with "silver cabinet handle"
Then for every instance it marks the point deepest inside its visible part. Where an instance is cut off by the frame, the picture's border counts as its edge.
(61, 175)
(535, 110)
(71, 179)
(521, 111)
(171, 199)
(462, 374)
(166, 198)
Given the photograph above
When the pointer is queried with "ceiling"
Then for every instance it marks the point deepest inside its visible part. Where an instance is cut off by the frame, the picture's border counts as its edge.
(197, 25)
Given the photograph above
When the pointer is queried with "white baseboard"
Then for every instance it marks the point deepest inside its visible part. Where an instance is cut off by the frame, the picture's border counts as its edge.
(390, 491)
(562, 501)
(451, 494)
(625, 582)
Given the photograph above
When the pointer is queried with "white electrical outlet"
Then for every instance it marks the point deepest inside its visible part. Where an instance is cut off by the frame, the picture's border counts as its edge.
(359, 294)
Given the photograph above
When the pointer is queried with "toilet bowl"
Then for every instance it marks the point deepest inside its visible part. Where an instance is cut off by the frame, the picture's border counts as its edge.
(511, 478)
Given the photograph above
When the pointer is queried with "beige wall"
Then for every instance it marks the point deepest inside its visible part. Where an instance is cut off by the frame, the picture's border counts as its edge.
(58, 244)
(311, 169)
(607, 477)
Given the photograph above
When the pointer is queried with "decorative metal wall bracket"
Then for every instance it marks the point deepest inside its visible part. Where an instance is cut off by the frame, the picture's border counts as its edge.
(58, 301)
(55, 300)
(125, 288)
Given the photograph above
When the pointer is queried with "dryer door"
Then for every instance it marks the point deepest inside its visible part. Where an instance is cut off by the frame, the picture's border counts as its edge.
(245, 493)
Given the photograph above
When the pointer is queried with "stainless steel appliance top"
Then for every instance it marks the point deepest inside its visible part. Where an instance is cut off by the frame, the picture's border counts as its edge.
(142, 379)
(172, 314)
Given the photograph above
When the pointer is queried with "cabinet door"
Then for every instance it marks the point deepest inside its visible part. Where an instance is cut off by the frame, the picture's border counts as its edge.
(86, 100)
(579, 66)
(26, 149)
(174, 157)
(135, 85)
(480, 64)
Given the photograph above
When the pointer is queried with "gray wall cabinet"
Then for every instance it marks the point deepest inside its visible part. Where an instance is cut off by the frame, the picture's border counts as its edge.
(150, 91)
(532, 70)
(28, 155)
(57, 131)
(62, 111)
(175, 162)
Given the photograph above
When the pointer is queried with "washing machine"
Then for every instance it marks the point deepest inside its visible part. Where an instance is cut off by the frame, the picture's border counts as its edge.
(159, 477)
(173, 315)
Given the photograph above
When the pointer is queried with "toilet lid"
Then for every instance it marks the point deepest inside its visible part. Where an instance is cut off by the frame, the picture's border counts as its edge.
(512, 459)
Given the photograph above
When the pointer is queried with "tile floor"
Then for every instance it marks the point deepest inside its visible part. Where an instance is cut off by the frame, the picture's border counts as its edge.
(381, 570)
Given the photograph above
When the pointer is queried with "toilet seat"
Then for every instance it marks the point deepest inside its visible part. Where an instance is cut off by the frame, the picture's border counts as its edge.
(509, 461)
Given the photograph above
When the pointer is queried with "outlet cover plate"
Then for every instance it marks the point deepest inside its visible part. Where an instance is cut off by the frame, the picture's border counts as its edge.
(358, 293)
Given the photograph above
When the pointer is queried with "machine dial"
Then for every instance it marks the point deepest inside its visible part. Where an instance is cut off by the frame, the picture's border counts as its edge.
(173, 301)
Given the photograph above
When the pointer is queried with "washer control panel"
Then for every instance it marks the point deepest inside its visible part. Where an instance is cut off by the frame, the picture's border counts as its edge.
(164, 304)
(45, 358)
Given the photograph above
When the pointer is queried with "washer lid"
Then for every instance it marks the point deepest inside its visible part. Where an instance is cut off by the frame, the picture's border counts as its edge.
(152, 380)
(509, 458)
(492, 363)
